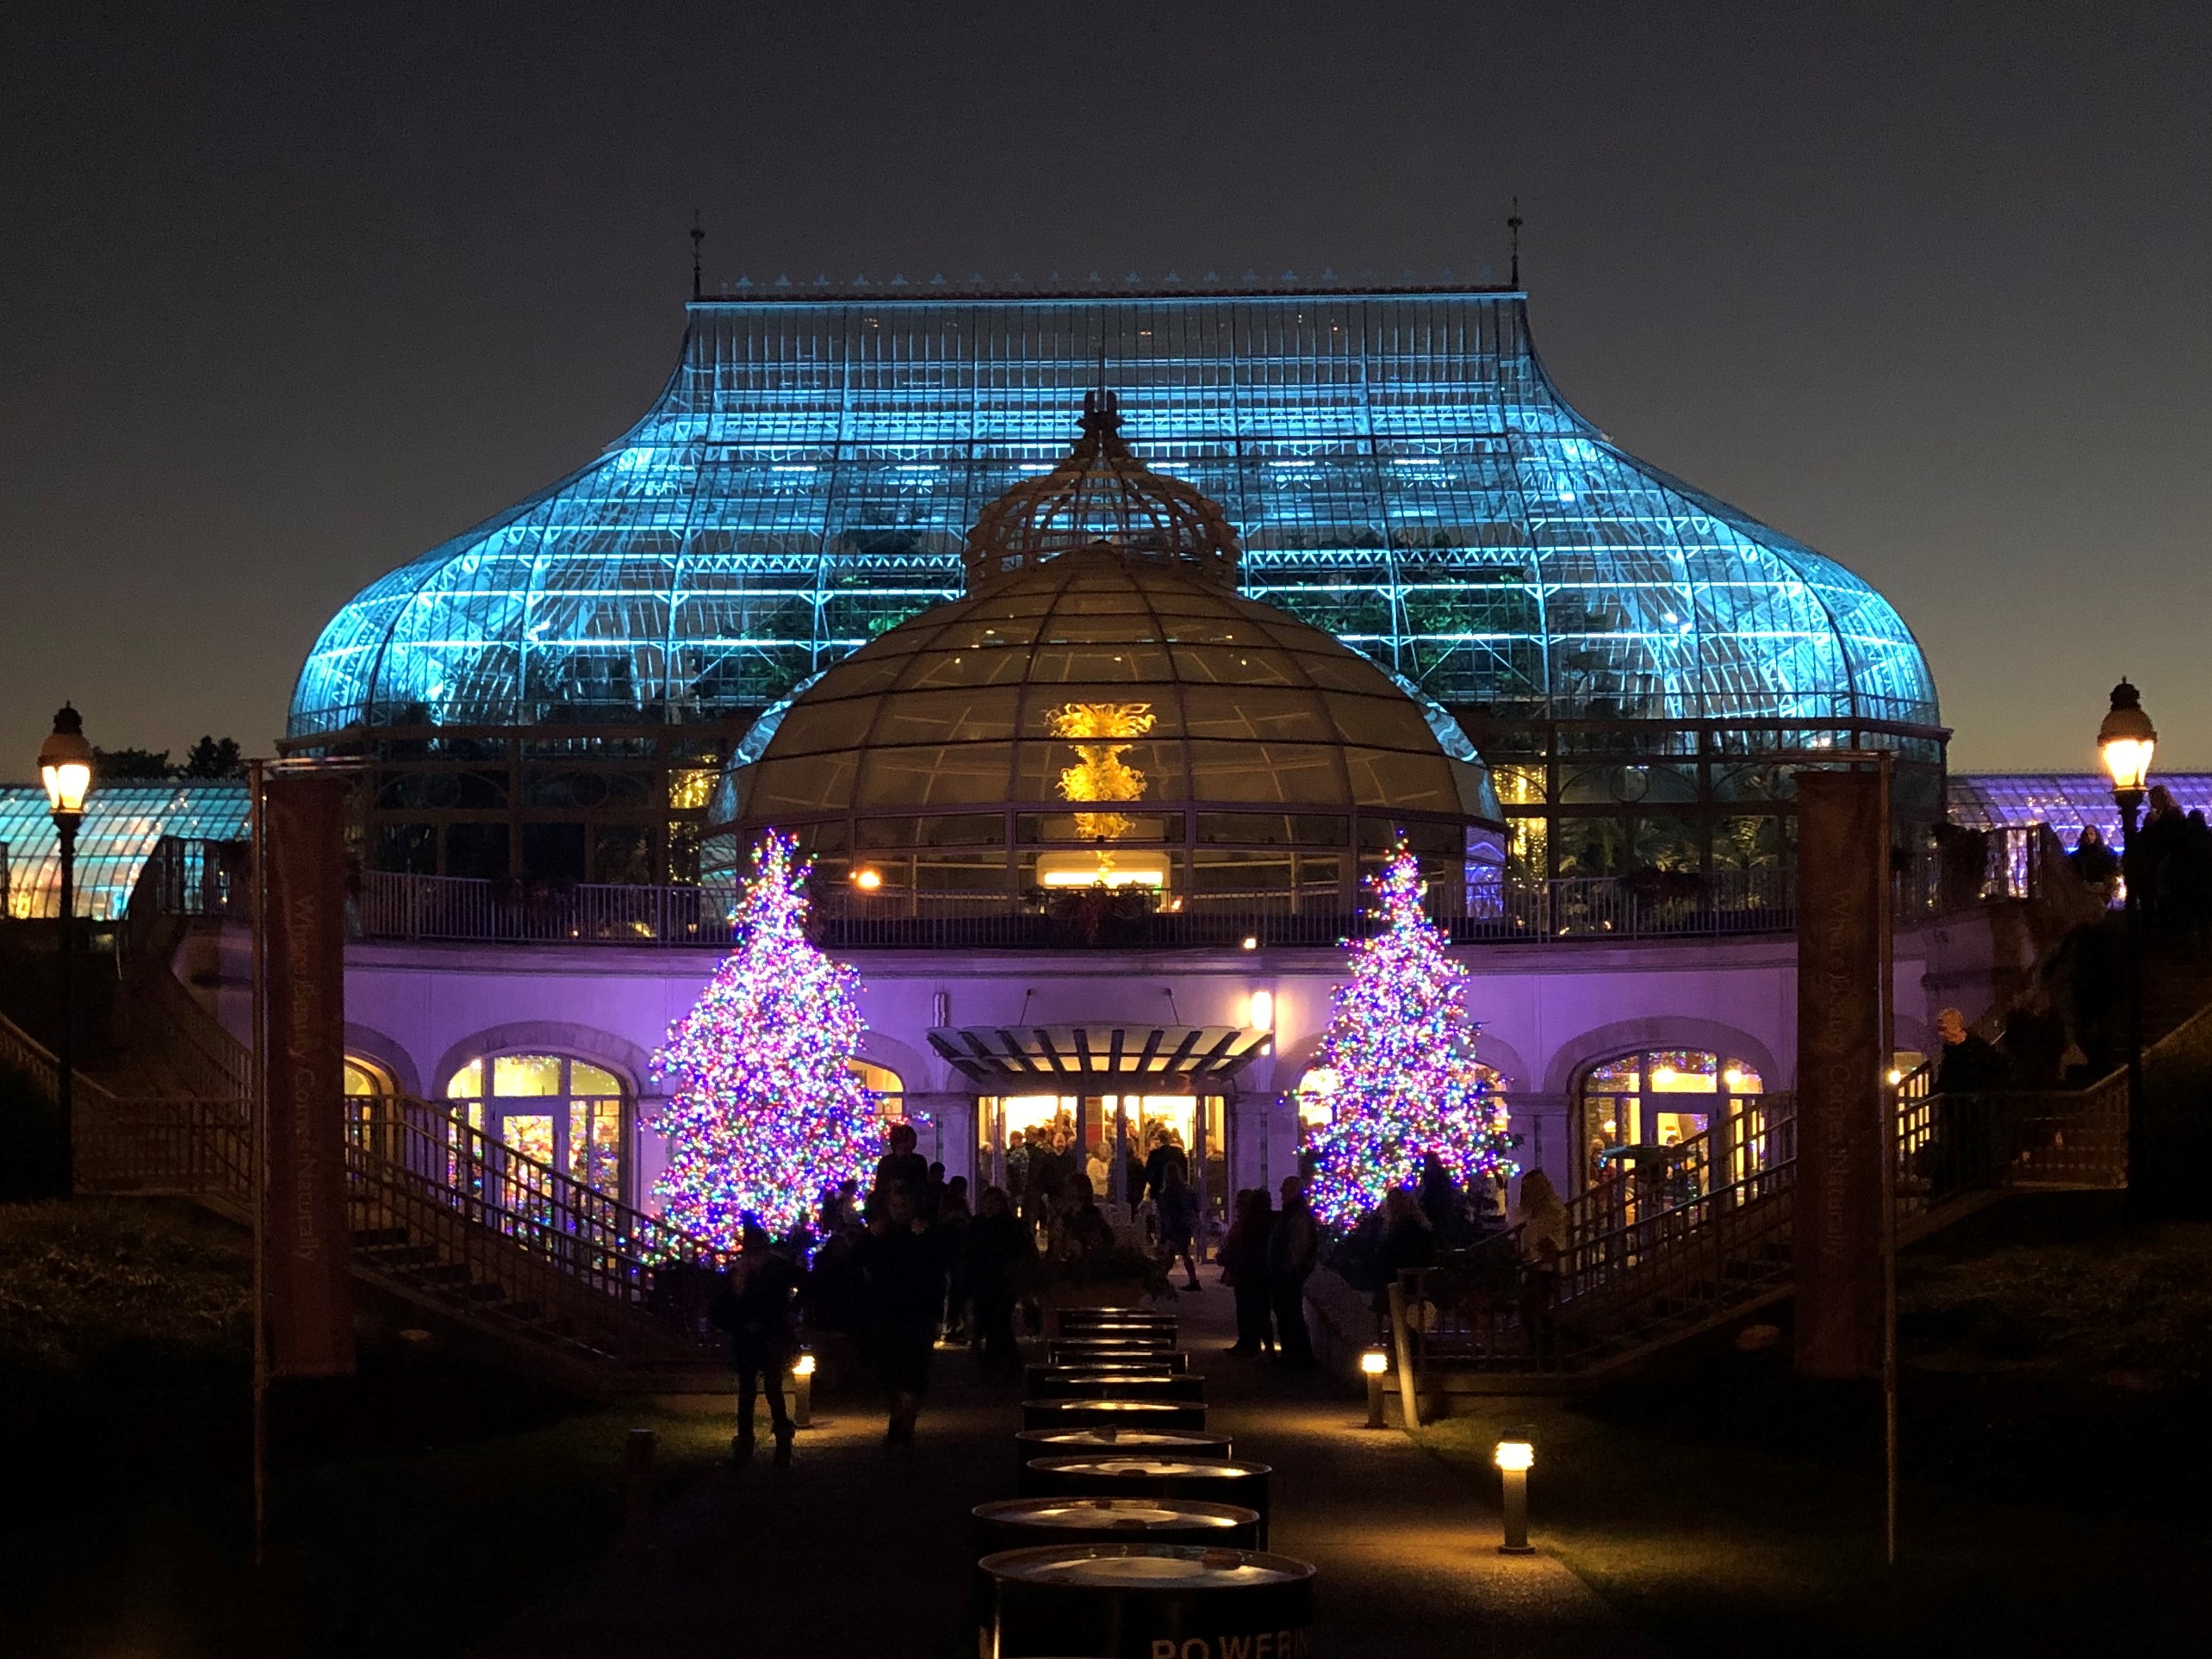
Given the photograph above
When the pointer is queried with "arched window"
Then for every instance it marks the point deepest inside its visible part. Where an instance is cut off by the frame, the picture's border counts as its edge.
(1632, 1110)
(886, 1084)
(566, 1114)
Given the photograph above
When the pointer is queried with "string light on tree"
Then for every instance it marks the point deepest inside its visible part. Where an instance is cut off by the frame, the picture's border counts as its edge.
(765, 1112)
(1403, 1052)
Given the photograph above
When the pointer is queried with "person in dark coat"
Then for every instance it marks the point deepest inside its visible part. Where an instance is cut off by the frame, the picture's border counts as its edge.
(1967, 1064)
(1085, 1231)
(754, 1303)
(952, 1224)
(1441, 1203)
(1049, 1168)
(1408, 1240)
(905, 1286)
(997, 1251)
(1165, 1155)
(1178, 1224)
(902, 1167)
(1243, 1269)
(1293, 1249)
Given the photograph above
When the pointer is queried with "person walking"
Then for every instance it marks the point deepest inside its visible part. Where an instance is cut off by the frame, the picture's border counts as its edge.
(905, 1293)
(1085, 1231)
(952, 1225)
(1244, 1269)
(1408, 1240)
(754, 1303)
(998, 1249)
(1178, 1209)
(1542, 1247)
(1293, 1249)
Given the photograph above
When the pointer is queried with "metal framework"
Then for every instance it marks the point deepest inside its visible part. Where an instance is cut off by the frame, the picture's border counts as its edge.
(1397, 465)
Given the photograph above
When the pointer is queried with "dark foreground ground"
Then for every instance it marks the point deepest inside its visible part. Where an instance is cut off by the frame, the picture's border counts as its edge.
(2056, 1451)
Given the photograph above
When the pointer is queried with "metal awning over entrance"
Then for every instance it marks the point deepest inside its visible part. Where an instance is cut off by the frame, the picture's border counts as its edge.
(1164, 1059)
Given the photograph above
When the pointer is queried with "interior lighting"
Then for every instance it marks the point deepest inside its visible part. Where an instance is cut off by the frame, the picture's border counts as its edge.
(1515, 1455)
(868, 879)
(802, 1376)
(1263, 1010)
(1251, 942)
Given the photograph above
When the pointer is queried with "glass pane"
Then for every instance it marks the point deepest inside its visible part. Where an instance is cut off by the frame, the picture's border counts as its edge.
(468, 1083)
(1684, 1072)
(591, 1080)
(595, 1145)
(526, 1074)
(531, 1136)
(360, 1081)
(1742, 1079)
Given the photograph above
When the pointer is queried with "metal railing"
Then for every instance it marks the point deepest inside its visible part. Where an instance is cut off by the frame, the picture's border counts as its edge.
(465, 910)
(1657, 1254)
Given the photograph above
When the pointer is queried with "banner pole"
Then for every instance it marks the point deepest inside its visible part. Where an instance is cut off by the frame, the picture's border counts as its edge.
(258, 1156)
(1889, 1146)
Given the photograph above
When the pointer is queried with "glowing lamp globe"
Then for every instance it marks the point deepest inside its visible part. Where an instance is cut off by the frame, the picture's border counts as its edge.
(1514, 1455)
(2126, 740)
(1374, 1362)
(65, 764)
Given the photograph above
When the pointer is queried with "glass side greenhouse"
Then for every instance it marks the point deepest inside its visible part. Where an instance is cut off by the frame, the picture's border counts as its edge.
(123, 823)
(549, 693)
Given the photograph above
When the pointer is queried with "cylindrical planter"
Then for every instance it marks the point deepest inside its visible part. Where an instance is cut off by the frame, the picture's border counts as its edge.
(1069, 1381)
(1031, 1443)
(1150, 1354)
(1092, 1321)
(1139, 1601)
(1113, 1414)
(1032, 1522)
(1157, 1475)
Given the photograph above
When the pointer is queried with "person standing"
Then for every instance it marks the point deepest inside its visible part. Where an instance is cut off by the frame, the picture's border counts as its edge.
(1165, 1155)
(1085, 1231)
(754, 1303)
(1178, 1208)
(905, 1293)
(1244, 1269)
(1018, 1172)
(1967, 1064)
(1292, 1250)
(902, 1167)
(952, 1225)
(998, 1249)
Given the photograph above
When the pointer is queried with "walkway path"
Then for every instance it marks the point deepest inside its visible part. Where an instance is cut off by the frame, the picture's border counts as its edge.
(864, 1550)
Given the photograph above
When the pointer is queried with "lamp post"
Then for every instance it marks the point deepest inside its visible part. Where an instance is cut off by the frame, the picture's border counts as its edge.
(65, 768)
(1515, 1456)
(802, 1376)
(2125, 742)
(1373, 1365)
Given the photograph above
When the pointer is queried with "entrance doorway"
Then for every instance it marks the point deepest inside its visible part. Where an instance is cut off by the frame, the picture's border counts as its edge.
(1112, 1139)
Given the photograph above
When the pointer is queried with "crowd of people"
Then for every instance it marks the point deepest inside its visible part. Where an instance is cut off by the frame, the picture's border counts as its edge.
(911, 1263)
(2168, 865)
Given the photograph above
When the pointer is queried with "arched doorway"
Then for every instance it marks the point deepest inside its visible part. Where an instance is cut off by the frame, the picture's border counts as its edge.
(564, 1114)
(1672, 1123)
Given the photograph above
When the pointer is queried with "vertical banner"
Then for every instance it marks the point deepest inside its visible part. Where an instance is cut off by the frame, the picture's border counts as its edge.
(309, 1284)
(1836, 1254)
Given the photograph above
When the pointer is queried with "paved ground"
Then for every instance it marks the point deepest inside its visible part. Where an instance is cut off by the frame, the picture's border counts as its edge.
(863, 1548)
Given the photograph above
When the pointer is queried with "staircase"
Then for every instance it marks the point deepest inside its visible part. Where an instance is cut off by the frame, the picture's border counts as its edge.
(499, 1248)
(1656, 1257)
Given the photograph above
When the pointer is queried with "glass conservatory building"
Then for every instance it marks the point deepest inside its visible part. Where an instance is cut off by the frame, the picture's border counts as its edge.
(553, 693)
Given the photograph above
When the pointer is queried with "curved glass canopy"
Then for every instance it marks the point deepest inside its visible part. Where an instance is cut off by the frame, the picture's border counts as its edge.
(1398, 467)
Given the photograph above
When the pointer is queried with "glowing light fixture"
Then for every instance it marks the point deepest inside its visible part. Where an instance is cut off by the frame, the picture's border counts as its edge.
(2125, 741)
(1515, 1456)
(1261, 1015)
(1251, 942)
(802, 1378)
(1373, 1365)
(66, 765)
(868, 879)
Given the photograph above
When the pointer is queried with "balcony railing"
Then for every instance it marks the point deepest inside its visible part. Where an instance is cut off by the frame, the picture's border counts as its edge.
(447, 908)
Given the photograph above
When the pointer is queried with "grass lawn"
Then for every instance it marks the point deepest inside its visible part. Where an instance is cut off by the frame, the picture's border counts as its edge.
(2056, 1451)
(454, 1495)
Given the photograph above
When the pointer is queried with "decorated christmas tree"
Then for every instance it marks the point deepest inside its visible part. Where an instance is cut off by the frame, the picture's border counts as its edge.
(764, 1112)
(1403, 1053)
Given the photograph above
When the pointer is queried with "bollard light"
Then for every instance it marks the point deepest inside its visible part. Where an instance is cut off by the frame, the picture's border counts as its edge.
(1252, 942)
(1515, 1456)
(1375, 1365)
(802, 1378)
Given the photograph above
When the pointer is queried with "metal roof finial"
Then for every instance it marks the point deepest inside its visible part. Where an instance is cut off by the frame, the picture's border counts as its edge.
(697, 236)
(1512, 226)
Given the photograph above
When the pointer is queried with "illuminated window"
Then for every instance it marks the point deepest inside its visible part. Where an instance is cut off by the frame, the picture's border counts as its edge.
(1659, 1098)
(886, 1084)
(565, 1113)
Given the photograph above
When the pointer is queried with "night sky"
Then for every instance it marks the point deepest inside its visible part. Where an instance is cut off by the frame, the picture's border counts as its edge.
(289, 293)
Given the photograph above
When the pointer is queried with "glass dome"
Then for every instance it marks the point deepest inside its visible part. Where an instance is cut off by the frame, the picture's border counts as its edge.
(1104, 702)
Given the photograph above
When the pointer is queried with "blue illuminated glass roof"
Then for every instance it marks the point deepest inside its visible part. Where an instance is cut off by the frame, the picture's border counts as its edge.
(1398, 466)
(2064, 800)
(121, 824)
